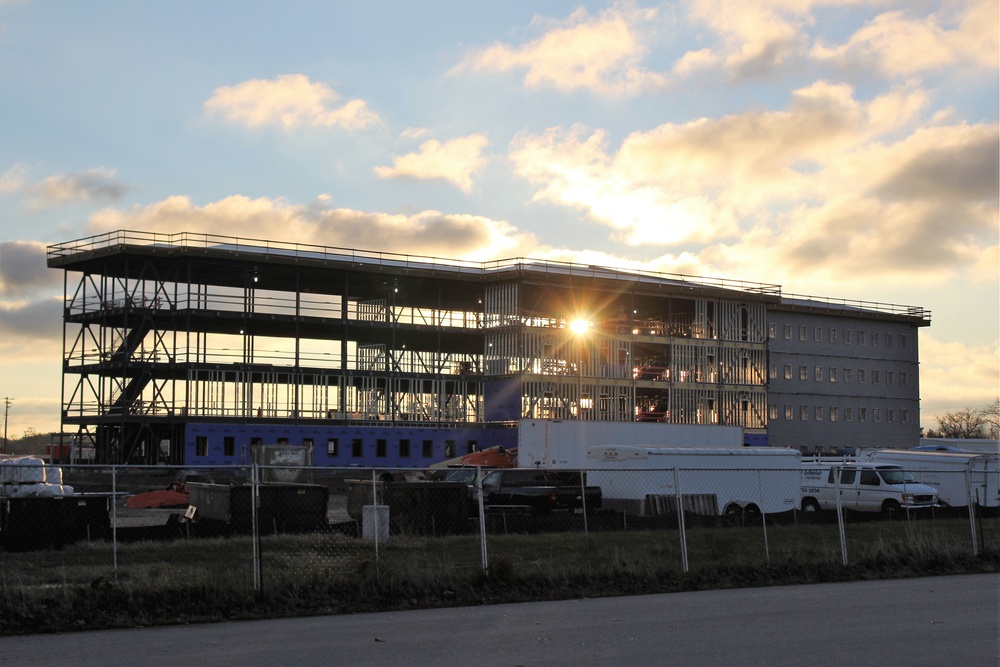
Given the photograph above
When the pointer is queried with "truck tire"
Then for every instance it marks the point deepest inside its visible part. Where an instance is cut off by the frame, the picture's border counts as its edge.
(810, 505)
(733, 515)
(891, 510)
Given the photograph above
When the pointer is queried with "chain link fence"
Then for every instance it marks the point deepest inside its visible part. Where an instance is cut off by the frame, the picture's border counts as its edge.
(252, 529)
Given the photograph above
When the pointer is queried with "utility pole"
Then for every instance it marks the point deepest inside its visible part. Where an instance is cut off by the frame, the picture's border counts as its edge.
(6, 408)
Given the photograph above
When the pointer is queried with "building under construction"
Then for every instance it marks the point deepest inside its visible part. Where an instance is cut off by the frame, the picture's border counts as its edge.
(192, 348)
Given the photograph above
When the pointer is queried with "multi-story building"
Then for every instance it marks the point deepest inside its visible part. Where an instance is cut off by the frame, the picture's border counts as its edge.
(193, 348)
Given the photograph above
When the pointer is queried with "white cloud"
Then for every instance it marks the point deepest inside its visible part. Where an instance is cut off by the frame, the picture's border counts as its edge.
(13, 179)
(23, 269)
(288, 101)
(93, 185)
(601, 53)
(902, 45)
(811, 190)
(455, 161)
(424, 233)
(954, 375)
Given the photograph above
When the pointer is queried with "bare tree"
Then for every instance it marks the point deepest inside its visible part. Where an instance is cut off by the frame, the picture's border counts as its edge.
(991, 419)
(965, 423)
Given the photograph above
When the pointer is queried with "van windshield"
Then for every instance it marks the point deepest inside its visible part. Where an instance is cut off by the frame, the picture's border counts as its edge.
(897, 477)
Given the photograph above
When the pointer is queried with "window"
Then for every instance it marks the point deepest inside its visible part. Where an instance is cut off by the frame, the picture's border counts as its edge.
(902, 341)
(877, 415)
(847, 336)
(833, 334)
(788, 332)
(819, 373)
(861, 338)
(890, 416)
(834, 414)
(869, 477)
(888, 377)
(772, 412)
(803, 372)
(229, 446)
(282, 441)
(832, 374)
(381, 448)
(333, 446)
(888, 340)
(772, 330)
(904, 416)
(201, 445)
(773, 374)
(802, 332)
(875, 338)
(307, 442)
(256, 441)
(847, 375)
(862, 414)
(902, 378)
(404, 449)
(818, 413)
(789, 412)
(818, 334)
(427, 449)
(449, 449)
(861, 376)
(471, 446)
(804, 413)
(788, 371)
(875, 376)
(357, 447)
(848, 414)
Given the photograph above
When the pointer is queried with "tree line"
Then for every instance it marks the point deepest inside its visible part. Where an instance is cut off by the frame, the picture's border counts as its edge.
(969, 423)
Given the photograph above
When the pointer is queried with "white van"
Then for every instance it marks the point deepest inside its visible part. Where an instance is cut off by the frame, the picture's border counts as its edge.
(958, 476)
(863, 487)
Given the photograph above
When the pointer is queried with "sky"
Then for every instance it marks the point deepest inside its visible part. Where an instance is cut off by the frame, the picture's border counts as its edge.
(840, 149)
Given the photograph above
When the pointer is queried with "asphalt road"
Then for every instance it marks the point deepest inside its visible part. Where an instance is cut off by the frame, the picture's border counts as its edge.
(930, 621)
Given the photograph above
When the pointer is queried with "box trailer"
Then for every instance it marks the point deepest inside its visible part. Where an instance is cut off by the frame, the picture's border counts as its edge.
(957, 476)
(643, 480)
(549, 443)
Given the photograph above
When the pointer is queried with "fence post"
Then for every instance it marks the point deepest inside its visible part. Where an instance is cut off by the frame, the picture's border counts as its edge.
(114, 523)
(583, 499)
(680, 521)
(840, 515)
(763, 518)
(375, 526)
(482, 521)
(258, 570)
(972, 512)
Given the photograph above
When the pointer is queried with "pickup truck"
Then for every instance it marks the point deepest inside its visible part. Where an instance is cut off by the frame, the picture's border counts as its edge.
(543, 491)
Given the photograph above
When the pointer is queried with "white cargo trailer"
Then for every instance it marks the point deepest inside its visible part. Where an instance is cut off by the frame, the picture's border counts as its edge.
(564, 444)
(957, 476)
(707, 480)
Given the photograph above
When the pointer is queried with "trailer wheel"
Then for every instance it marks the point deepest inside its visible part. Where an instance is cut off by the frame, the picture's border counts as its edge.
(751, 515)
(733, 515)
(810, 505)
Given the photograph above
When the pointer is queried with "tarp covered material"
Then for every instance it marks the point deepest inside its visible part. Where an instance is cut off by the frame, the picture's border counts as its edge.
(157, 499)
(22, 470)
(35, 490)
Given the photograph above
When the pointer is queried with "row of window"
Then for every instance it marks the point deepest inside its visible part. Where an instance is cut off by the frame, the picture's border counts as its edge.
(333, 448)
(833, 413)
(834, 374)
(845, 335)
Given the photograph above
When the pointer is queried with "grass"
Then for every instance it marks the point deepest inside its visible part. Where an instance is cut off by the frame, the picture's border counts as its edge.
(212, 579)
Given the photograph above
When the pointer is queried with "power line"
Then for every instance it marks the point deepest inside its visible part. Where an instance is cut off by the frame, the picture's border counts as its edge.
(6, 408)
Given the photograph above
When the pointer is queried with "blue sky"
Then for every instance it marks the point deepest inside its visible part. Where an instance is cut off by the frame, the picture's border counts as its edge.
(844, 149)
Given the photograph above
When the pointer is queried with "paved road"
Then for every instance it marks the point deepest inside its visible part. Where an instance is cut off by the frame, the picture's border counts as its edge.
(930, 621)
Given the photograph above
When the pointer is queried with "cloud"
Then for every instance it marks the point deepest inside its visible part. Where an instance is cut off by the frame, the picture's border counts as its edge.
(23, 269)
(424, 233)
(602, 53)
(817, 189)
(455, 161)
(954, 375)
(288, 101)
(13, 179)
(93, 185)
(902, 46)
